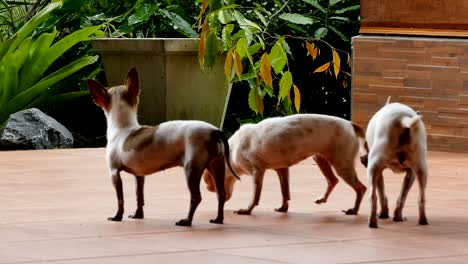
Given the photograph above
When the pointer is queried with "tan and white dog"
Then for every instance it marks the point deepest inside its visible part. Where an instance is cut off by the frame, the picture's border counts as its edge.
(143, 150)
(280, 142)
(396, 139)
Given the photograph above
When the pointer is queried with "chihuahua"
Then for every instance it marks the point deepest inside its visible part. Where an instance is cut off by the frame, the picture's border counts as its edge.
(396, 139)
(280, 142)
(143, 150)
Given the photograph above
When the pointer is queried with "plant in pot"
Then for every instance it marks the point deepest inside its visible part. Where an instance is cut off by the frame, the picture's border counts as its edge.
(277, 50)
(158, 38)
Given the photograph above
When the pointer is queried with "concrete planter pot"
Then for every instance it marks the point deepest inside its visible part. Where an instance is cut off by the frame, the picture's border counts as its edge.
(172, 85)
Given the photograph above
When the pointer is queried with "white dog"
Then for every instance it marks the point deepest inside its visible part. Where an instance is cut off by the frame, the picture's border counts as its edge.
(143, 150)
(280, 142)
(396, 139)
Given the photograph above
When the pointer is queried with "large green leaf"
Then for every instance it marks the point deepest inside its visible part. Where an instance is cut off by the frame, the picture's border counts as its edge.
(297, 19)
(5, 46)
(180, 24)
(25, 98)
(32, 24)
(315, 4)
(226, 36)
(32, 72)
(211, 49)
(142, 13)
(285, 83)
(339, 33)
(346, 9)
(321, 32)
(278, 56)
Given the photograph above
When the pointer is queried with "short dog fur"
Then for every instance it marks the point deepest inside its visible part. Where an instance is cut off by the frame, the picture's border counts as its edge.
(396, 139)
(280, 142)
(143, 150)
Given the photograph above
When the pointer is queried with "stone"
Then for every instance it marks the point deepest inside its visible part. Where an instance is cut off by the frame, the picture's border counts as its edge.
(32, 129)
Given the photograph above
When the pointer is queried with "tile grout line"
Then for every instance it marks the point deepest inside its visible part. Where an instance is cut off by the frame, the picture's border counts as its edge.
(406, 259)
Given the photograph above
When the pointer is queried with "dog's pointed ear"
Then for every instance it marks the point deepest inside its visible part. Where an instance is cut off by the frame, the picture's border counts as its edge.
(99, 93)
(132, 82)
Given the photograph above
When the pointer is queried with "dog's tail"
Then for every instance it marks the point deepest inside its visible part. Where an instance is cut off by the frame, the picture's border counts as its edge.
(221, 137)
(361, 135)
(388, 100)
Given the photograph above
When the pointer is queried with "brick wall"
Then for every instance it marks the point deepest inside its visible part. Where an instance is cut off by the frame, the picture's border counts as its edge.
(428, 74)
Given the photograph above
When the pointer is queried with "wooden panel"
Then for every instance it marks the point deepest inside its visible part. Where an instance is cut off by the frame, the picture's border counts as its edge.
(415, 17)
(427, 74)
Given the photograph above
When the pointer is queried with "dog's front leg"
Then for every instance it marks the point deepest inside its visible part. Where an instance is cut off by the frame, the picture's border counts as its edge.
(117, 182)
(193, 174)
(283, 175)
(139, 183)
(258, 182)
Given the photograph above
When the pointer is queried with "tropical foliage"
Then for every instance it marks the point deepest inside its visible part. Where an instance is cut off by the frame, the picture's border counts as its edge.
(25, 59)
(256, 36)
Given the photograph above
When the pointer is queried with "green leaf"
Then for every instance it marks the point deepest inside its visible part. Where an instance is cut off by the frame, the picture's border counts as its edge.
(211, 49)
(337, 32)
(278, 56)
(297, 19)
(253, 100)
(244, 22)
(224, 16)
(214, 5)
(180, 24)
(24, 99)
(340, 18)
(226, 36)
(32, 24)
(254, 48)
(333, 2)
(315, 4)
(285, 85)
(142, 13)
(321, 32)
(5, 45)
(242, 49)
(261, 17)
(34, 70)
(346, 9)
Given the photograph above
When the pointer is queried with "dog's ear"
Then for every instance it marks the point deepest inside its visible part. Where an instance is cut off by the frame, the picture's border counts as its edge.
(99, 93)
(132, 82)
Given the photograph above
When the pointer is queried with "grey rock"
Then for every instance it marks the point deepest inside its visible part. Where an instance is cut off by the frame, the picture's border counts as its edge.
(32, 129)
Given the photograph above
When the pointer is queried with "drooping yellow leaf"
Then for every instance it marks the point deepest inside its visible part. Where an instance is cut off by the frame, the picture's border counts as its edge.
(228, 65)
(312, 50)
(336, 63)
(349, 60)
(237, 63)
(202, 11)
(323, 68)
(265, 70)
(345, 84)
(297, 98)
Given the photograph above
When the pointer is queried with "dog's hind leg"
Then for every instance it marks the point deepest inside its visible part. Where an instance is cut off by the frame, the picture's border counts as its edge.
(382, 198)
(117, 182)
(139, 183)
(283, 175)
(257, 176)
(407, 183)
(217, 172)
(327, 171)
(422, 180)
(193, 173)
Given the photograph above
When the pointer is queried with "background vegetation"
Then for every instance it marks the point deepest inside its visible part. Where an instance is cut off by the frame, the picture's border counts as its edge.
(311, 37)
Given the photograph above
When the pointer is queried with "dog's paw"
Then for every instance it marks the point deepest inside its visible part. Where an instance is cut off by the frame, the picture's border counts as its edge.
(399, 219)
(373, 225)
(115, 218)
(351, 211)
(184, 222)
(384, 215)
(320, 200)
(282, 209)
(423, 221)
(243, 212)
(217, 220)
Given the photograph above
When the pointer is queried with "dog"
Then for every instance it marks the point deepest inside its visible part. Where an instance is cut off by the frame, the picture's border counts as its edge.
(143, 150)
(396, 139)
(280, 142)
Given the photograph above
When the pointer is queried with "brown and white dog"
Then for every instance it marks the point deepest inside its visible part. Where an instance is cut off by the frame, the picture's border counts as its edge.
(143, 150)
(396, 139)
(280, 142)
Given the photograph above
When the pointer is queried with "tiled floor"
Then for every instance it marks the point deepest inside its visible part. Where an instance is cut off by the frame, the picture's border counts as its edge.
(54, 206)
